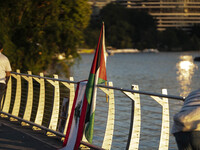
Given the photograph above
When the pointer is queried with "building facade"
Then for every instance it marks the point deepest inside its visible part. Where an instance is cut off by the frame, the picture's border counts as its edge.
(97, 5)
(169, 13)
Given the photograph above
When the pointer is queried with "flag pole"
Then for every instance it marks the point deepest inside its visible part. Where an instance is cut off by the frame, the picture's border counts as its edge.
(104, 48)
(106, 84)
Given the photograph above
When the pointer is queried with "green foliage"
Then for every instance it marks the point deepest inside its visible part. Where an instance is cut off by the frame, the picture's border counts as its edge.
(34, 31)
(168, 39)
(118, 35)
(178, 40)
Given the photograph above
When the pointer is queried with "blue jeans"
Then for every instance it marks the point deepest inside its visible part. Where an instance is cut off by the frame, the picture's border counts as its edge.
(188, 140)
(2, 91)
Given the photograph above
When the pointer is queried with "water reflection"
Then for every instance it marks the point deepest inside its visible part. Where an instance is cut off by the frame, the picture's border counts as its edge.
(186, 69)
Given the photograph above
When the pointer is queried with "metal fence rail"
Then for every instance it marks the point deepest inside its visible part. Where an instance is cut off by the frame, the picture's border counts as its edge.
(45, 103)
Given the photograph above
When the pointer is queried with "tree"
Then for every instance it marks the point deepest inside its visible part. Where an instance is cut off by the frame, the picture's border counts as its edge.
(126, 28)
(34, 31)
(168, 40)
(119, 36)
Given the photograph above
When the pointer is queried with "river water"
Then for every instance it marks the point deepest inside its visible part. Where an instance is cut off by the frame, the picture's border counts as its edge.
(176, 72)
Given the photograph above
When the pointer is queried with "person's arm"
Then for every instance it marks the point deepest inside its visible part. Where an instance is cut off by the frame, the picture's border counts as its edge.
(7, 76)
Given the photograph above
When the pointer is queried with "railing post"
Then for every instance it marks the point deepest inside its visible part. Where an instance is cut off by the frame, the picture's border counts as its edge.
(108, 137)
(17, 102)
(41, 103)
(56, 105)
(7, 101)
(71, 88)
(164, 137)
(29, 102)
(134, 132)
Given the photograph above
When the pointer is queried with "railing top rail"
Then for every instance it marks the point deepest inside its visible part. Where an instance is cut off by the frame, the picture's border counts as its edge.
(144, 93)
(41, 77)
(108, 87)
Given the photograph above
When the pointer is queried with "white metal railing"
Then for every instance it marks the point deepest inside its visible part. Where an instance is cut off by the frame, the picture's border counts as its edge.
(39, 101)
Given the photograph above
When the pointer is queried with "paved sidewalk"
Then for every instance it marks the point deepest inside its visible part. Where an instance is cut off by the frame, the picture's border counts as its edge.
(13, 136)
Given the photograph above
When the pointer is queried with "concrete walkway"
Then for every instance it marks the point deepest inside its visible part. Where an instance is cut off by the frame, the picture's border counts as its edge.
(13, 136)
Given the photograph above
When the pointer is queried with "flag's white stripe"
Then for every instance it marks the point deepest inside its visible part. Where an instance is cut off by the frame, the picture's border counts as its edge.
(74, 127)
(104, 45)
(95, 92)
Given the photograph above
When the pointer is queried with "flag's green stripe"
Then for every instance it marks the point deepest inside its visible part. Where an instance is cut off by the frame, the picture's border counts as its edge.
(89, 88)
(100, 81)
(89, 128)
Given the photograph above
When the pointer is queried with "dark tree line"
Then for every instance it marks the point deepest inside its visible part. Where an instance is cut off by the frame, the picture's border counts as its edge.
(129, 28)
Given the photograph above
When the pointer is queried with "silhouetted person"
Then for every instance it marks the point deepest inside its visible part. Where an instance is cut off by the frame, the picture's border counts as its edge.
(186, 128)
(5, 70)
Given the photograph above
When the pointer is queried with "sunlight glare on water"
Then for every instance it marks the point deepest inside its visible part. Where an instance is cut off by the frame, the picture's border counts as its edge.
(186, 69)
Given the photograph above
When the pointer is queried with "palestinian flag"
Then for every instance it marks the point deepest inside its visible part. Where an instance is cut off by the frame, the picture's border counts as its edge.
(97, 76)
(83, 109)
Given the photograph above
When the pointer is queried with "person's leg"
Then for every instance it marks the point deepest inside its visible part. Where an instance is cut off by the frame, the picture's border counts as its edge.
(2, 91)
(183, 140)
(195, 140)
